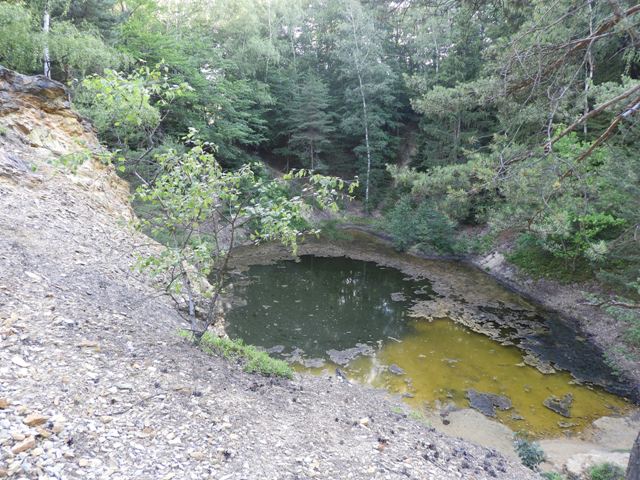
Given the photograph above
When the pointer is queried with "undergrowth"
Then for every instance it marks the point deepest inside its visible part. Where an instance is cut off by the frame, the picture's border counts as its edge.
(530, 453)
(251, 359)
(539, 263)
(606, 471)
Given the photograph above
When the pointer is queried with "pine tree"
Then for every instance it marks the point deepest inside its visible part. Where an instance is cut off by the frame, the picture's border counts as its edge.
(310, 124)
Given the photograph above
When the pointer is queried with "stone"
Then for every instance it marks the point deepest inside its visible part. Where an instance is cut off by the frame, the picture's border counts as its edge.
(27, 444)
(19, 361)
(276, 349)
(197, 455)
(313, 362)
(4, 403)
(343, 357)
(562, 406)
(35, 419)
(578, 465)
(486, 403)
(43, 432)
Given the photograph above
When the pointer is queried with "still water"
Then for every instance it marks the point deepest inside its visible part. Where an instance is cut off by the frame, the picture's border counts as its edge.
(323, 313)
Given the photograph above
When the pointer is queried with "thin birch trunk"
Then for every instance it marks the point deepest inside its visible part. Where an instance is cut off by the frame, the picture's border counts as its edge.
(45, 28)
(365, 114)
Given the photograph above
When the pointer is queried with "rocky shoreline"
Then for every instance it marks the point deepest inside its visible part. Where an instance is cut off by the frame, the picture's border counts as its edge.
(564, 302)
(486, 306)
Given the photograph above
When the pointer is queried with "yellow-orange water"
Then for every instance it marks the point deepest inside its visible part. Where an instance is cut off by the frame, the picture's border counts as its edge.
(442, 360)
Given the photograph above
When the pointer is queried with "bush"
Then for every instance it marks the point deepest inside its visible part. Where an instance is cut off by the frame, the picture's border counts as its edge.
(530, 453)
(424, 226)
(533, 258)
(252, 359)
(553, 476)
(401, 224)
(606, 471)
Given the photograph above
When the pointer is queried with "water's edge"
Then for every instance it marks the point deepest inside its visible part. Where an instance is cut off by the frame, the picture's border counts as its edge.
(543, 293)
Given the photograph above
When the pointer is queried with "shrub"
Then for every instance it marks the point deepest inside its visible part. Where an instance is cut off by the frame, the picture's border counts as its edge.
(422, 225)
(530, 453)
(251, 359)
(530, 255)
(606, 471)
(401, 224)
(553, 476)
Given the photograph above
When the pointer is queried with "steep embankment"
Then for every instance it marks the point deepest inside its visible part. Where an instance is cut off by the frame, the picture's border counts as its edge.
(94, 381)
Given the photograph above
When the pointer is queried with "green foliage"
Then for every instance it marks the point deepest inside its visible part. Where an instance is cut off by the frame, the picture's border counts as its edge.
(606, 471)
(422, 225)
(553, 476)
(251, 359)
(530, 453)
(78, 53)
(530, 255)
(20, 46)
(307, 123)
(72, 161)
(400, 224)
(345, 87)
(127, 109)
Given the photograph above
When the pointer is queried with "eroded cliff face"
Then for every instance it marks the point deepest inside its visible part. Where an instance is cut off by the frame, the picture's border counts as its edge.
(38, 127)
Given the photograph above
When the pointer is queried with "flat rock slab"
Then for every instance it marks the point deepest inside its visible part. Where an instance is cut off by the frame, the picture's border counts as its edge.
(396, 370)
(486, 403)
(343, 357)
(562, 406)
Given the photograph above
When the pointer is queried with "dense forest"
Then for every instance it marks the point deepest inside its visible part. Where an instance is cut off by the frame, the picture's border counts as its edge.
(469, 124)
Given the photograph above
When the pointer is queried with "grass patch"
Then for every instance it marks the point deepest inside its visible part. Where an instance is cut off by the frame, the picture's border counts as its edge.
(553, 476)
(606, 471)
(537, 262)
(419, 417)
(251, 359)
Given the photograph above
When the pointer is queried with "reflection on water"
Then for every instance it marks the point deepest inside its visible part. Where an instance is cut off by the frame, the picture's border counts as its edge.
(327, 312)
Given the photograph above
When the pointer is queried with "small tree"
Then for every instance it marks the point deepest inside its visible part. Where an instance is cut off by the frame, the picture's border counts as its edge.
(201, 211)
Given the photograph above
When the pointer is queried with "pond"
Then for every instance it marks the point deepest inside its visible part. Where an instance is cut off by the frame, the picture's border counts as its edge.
(378, 325)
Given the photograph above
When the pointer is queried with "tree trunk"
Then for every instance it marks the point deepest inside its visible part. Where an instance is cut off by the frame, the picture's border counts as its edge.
(312, 154)
(588, 67)
(633, 469)
(45, 54)
(364, 104)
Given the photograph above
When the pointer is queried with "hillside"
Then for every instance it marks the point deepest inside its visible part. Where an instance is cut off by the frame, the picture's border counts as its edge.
(96, 383)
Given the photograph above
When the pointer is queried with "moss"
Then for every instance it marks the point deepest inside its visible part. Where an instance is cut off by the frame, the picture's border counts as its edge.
(251, 359)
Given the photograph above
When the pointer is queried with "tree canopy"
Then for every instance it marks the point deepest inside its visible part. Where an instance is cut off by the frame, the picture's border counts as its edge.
(508, 118)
